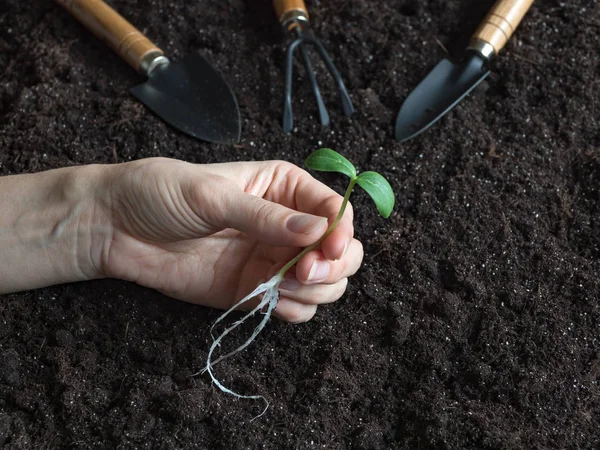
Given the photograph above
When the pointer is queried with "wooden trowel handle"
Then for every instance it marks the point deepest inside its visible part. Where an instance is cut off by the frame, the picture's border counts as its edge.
(115, 31)
(290, 10)
(501, 22)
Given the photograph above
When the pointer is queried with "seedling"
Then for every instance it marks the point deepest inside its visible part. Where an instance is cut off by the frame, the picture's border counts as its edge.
(324, 160)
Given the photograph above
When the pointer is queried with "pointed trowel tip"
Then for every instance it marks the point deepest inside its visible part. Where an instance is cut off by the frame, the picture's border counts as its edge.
(405, 130)
(401, 134)
(446, 85)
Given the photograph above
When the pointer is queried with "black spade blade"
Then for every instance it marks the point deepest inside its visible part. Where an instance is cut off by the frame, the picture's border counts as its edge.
(446, 85)
(193, 97)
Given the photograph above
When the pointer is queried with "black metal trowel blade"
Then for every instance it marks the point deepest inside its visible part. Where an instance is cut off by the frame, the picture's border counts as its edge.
(193, 97)
(446, 85)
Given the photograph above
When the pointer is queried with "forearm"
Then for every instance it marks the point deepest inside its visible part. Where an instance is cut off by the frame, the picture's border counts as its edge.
(46, 227)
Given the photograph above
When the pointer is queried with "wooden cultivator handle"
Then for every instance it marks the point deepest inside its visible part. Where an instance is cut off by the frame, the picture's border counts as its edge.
(108, 25)
(501, 22)
(289, 11)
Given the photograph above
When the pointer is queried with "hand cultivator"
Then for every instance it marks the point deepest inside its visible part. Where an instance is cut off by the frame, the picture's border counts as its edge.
(294, 18)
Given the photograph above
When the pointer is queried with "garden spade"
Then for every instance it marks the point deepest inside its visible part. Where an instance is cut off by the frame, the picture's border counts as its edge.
(449, 82)
(190, 95)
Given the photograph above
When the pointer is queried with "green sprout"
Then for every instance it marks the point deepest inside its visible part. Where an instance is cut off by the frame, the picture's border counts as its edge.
(327, 160)
(324, 160)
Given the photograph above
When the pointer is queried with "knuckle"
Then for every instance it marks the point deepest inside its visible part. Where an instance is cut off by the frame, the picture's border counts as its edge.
(209, 197)
(287, 172)
(160, 160)
(263, 213)
(335, 201)
(286, 166)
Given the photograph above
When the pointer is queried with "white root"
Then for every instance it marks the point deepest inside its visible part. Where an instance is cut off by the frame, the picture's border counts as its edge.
(270, 289)
(263, 287)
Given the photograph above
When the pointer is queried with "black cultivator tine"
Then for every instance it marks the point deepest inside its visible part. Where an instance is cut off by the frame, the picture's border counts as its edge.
(294, 17)
(347, 105)
(288, 115)
(323, 114)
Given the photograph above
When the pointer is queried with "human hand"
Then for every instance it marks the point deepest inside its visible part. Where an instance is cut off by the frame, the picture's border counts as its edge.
(209, 234)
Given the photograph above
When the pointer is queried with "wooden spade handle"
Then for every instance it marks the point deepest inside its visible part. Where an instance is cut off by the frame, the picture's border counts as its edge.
(288, 10)
(501, 22)
(109, 26)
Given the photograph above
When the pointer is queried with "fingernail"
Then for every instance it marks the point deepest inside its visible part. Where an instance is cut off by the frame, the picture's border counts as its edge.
(290, 284)
(346, 245)
(304, 223)
(318, 271)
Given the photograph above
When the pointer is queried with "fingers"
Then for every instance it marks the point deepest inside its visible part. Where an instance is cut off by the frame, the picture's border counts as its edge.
(294, 312)
(273, 201)
(336, 245)
(301, 292)
(313, 197)
(288, 185)
(316, 294)
(264, 220)
(300, 306)
(315, 268)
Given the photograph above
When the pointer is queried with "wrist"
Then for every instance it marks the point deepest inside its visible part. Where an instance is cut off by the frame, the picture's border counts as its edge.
(49, 227)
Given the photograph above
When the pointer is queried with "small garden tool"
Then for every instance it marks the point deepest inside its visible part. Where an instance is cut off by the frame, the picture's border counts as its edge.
(293, 16)
(449, 82)
(189, 94)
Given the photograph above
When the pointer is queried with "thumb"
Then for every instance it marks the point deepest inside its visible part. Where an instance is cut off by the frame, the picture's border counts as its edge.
(271, 222)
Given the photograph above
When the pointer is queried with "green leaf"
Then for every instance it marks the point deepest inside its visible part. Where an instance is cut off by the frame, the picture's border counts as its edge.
(327, 160)
(380, 191)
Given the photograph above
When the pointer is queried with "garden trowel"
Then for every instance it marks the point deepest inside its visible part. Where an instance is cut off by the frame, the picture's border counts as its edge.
(449, 82)
(190, 95)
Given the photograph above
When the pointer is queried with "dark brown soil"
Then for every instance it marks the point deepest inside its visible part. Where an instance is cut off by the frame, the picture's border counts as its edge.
(475, 319)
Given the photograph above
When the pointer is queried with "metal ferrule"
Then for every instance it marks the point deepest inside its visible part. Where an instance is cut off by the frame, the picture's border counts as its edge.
(292, 16)
(151, 61)
(483, 48)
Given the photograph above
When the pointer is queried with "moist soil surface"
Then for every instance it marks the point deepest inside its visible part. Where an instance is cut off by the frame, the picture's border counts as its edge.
(474, 321)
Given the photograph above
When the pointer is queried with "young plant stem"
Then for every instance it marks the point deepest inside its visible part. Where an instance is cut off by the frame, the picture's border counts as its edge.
(334, 224)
